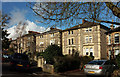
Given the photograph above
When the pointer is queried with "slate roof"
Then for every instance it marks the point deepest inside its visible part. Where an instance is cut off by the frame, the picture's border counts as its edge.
(114, 30)
(86, 25)
(53, 30)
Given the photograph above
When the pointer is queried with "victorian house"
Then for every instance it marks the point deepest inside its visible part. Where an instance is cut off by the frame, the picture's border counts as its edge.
(47, 38)
(113, 42)
(87, 38)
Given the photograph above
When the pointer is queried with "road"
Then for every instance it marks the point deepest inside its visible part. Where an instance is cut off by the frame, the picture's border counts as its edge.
(7, 72)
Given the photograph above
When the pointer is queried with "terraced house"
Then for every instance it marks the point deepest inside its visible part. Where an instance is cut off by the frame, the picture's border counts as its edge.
(113, 42)
(87, 38)
(48, 38)
(27, 43)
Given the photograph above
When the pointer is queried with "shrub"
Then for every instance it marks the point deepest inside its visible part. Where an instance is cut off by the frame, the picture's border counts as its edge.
(118, 60)
(84, 60)
(66, 63)
(50, 52)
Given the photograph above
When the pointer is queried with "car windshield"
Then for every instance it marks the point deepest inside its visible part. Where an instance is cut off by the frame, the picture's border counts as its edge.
(96, 62)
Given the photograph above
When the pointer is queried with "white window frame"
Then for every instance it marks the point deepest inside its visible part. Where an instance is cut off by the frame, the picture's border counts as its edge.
(91, 50)
(87, 51)
(109, 39)
(90, 39)
(116, 35)
(86, 39)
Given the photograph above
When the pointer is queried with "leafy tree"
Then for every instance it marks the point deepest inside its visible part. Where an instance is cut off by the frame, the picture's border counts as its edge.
(70, 12)
(50, 52)
(5, 34)
(5, 40)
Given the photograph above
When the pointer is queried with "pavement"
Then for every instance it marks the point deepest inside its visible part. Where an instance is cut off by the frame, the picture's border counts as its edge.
(36, 72)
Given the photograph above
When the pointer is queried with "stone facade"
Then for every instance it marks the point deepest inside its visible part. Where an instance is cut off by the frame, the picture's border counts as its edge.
(45, 39)
(13, 45)
(87, 38)
(113, 42)
(26, 43)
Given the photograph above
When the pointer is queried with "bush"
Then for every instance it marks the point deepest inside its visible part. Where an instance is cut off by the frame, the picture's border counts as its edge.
(66, 63)
(84, 60)
(118, 60)
(50, 52)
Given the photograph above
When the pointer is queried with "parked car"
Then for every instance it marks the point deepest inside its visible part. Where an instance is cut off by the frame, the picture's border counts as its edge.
(20, 61)
(100, 68)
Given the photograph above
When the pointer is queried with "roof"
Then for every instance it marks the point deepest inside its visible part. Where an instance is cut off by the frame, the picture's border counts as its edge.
(113, 30)
(52, 30)
(86, 25)
(30, 33)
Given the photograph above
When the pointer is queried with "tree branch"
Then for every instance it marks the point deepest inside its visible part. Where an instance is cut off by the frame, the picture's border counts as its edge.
(115, 10)
(116, 23)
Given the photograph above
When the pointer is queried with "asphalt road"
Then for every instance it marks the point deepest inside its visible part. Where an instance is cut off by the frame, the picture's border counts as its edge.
(7, 72)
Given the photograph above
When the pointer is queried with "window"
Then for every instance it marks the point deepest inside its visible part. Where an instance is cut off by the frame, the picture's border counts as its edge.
(109, 40)
(86, 39)
(87, 51)
(90, 29)
(69, 41)
(116, 52)
(72, 32)
(90, 38)
(72, 41)
(91, 51)
(28, 38)
(52, 42)
(69, 51)
(109, 53)
(69, 32)
(86, 30)
(117, 38)
(73, 51)
(52, 34)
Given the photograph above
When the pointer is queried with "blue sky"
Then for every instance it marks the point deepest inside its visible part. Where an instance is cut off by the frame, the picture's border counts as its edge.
(8, 7)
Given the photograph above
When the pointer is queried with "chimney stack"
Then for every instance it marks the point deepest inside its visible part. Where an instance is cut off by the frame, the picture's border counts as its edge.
(83, 21)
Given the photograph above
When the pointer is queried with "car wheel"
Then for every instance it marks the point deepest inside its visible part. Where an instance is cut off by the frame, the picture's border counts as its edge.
(107, 74)
(88, 76)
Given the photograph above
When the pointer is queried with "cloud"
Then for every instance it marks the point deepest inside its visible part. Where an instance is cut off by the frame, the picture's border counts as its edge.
(31, 26)
(17, 16)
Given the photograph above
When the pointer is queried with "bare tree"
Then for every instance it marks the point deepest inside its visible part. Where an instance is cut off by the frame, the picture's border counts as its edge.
(70, 12)
(20, 30)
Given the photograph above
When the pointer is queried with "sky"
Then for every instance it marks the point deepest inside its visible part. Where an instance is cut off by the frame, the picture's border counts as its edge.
(20, 12)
